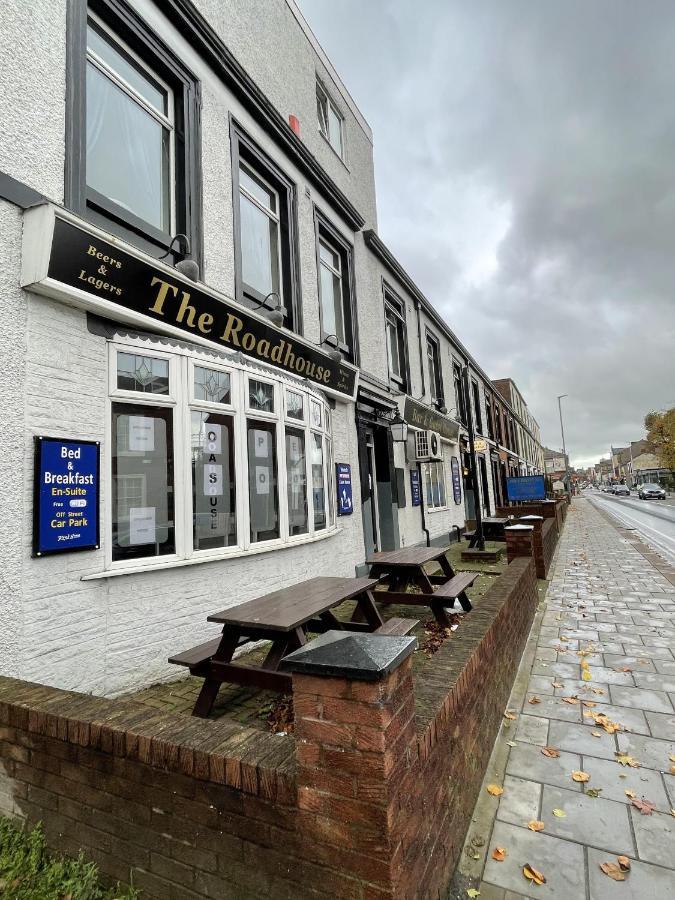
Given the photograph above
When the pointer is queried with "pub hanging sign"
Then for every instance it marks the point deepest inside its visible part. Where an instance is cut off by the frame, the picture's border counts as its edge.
(65, 496)
(121, 285)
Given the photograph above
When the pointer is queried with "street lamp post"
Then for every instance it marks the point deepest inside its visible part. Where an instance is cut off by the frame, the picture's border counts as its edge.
(562, 432)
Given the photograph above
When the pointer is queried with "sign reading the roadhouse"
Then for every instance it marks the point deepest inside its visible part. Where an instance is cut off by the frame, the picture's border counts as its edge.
(526, 487)
(65, 496)
(85, 261)
(423, 417)
(456, 480)
(415, 491)
(343, 473)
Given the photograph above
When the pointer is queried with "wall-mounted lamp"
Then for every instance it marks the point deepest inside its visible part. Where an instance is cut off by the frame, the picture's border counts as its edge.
(332, 341)
(276, 313)
(187, 265)
(399, 429)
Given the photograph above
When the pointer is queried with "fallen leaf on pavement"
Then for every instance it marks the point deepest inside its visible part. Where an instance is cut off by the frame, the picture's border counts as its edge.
(594, 792)
(511, 743)
(499, 853)
(596, 733)
(672, 812)
(473, 893)
(534, 700)
(586, 675)
(563, 638)
(556, 684)
(646, 807)
(533, 875)
(571, 700)
(559, 813)
(589, 704)
(624, 669)
(672, 757)
(582, 777)
(535, 825)
(495, 790)
(613, 870)
(630, 794)
(625, 760)
(624, 862)
(597, 690)
(509, 715)
(550, 752)
(672, 770)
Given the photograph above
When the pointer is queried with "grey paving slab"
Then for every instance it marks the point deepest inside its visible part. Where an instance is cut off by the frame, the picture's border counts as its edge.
(644, 882)
(665, 666)
(589, 820)
(651, 752)
(527, 761)
(540, 684)
(639, 698)
(545, 654)
(561, 862)
(614, 780)
(520, 801)
(656, 681)
(648, 652)
(533, 730)
(655, 836)
(580, 739)
(609, 675)
(669, 781)
(562, 670)
(661, 725)
(636, 663)
(553, 708)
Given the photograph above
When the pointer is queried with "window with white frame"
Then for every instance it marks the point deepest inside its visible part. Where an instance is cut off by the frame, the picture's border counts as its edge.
(210, 459)
(433, 476)
(260, 233)
(331, 123)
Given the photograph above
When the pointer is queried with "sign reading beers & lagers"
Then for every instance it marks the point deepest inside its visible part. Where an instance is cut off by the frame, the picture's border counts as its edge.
(68, 260)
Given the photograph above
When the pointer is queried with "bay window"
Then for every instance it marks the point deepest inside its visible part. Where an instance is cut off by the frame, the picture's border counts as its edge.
(209, 460)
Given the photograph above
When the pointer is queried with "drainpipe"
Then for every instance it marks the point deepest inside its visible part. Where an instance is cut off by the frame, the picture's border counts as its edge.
(480, 540)
(424, 519)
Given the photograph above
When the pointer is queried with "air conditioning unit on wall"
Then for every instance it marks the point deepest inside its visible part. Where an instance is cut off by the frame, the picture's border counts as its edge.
(428, 445)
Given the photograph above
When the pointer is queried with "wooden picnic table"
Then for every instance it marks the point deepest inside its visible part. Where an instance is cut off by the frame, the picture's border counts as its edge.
(283, 617)
(401, 568)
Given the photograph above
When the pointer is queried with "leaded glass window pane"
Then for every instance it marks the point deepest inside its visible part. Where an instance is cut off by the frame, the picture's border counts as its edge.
(260, 395)
(295, 406)
(318, 483)
(146, 374)
(296, 479)
(214, 511)
(212, 385)
(263, 495)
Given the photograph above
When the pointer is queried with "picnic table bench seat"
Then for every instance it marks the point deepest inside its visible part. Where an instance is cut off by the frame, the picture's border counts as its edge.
(397, 627)
(202, 653)
(455, 589)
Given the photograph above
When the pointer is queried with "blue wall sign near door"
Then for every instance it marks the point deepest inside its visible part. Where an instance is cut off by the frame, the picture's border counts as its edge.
(344, 489)
(415, 491)
(456, 480)
(65, 496)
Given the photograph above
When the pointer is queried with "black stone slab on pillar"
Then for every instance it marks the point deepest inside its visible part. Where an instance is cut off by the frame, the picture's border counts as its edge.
(355, 655)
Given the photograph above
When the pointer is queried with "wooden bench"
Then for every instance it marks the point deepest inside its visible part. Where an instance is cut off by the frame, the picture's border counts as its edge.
(397, 627)
(455, 589)
(202, 653)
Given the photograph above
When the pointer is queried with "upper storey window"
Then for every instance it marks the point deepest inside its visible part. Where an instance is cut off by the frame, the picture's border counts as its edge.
(331, 123)
(132, 160)
(130, 132)
(260, 240)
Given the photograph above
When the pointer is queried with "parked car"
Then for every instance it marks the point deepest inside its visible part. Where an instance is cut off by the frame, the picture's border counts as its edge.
(651, 492)
(622, 489)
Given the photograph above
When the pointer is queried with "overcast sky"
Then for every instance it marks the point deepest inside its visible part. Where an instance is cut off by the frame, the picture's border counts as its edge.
(525, 168)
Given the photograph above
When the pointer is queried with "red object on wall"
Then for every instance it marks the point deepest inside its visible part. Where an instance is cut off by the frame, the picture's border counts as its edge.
(294, 122)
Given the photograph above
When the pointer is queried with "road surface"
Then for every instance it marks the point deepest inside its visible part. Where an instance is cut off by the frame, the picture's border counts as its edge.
(653, 519)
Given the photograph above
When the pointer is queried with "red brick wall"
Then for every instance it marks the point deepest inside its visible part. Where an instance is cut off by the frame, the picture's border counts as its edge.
(373, 800)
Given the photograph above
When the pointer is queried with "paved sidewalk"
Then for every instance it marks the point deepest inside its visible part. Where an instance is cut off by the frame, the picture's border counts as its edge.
(611, 614)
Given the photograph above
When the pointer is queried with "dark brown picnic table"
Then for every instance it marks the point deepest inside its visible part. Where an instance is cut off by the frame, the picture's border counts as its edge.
(401, 568)
(283, 617)
(493, 529)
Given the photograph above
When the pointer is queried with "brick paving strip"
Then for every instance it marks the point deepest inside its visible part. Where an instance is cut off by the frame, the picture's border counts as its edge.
(611, 606)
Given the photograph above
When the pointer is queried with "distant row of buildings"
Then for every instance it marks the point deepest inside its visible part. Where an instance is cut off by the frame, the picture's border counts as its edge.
(632, 465)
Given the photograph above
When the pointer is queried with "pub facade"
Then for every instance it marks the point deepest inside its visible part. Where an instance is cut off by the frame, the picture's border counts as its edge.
(217, 379)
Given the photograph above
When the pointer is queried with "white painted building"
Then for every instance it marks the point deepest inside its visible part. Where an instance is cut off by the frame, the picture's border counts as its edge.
(222, 374)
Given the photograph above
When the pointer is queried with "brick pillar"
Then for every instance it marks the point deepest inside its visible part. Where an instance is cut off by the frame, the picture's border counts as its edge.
(355, 732)
(537, 523)
(519, 541)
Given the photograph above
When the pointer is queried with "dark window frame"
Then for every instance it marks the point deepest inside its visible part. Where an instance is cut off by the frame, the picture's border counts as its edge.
(436, 388)
(244, 148)
(478, 419)
(89, 204)
(323, 228)
(395, 307)
(460, 400)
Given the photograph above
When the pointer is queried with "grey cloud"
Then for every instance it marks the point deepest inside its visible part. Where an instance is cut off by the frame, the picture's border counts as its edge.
(539, 136)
